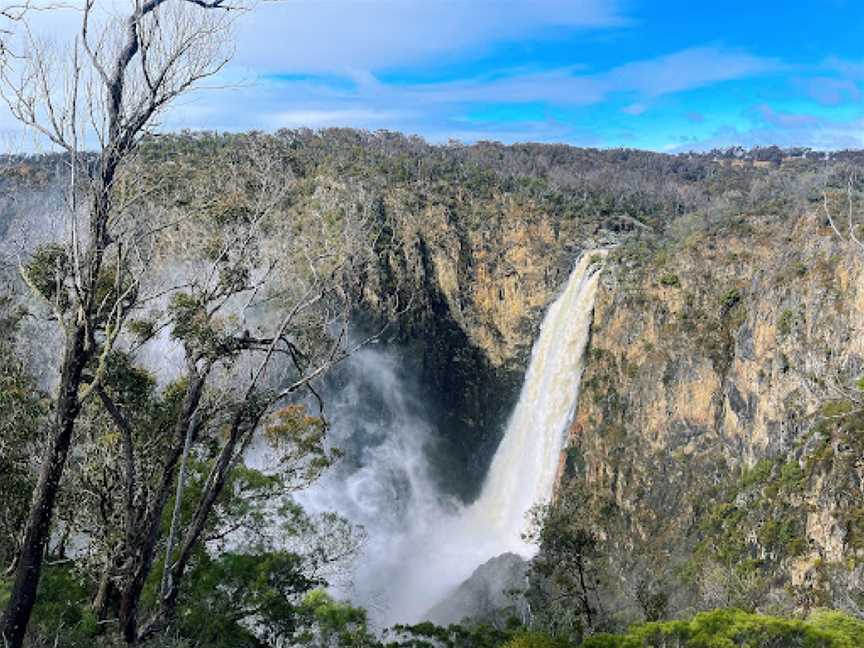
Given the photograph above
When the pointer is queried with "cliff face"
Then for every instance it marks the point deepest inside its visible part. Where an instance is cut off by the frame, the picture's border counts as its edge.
(718, 436)
(474, 278)
(716, 433)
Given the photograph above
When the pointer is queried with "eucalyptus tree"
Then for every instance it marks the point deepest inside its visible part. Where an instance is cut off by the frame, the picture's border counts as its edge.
(257, 306)
(118, 78)
(254, 313)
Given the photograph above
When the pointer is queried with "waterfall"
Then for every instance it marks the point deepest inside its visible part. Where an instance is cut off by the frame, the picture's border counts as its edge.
(524, 468)
(420, 546)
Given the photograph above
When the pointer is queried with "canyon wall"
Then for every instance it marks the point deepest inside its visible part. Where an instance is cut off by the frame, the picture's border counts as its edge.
(719, 435)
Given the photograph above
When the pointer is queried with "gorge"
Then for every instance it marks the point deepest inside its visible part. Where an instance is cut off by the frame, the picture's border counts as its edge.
(421, 546)
(692, 398)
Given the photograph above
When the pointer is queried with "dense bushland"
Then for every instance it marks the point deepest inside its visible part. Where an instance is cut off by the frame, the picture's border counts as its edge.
(246, 567)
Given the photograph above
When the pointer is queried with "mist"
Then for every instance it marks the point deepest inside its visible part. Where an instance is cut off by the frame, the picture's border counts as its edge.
(422, 544)
(384, 482)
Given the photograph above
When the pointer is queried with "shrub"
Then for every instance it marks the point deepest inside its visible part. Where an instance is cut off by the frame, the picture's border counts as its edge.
(730, 628)
(536, 640)
(730, 298)
(670, 280)
(785, 321)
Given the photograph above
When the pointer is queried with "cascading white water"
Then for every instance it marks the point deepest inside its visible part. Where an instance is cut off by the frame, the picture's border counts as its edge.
(524, 467)
(420, 546)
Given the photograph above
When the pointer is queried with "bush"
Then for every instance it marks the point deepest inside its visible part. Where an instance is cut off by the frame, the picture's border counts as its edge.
(536, 640)
(670, 280)
(784, 323)
(729, 628)
(730, 298)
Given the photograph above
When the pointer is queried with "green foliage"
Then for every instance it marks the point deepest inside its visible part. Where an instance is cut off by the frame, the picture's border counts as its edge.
(326, 622)
(785, 321)
(300, 436)
(536, 640)
(730, 628)
(730, 298)
(564, 575)
(757, 474)
(141, 328)
(653, 598)
(670, 280)
(46, 272)
(194, 326)
(838, 408)
(23, 413)
(429, 635)
(133, 386)
(62, 613)
(750, 531)
(791, 475)
(225, 594)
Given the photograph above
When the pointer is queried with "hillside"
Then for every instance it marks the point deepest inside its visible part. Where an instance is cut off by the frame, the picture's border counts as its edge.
(716, 450)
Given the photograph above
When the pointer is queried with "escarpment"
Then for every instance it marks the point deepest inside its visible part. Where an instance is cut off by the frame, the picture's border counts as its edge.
(718, 433)
(718, 438)
(474, 293)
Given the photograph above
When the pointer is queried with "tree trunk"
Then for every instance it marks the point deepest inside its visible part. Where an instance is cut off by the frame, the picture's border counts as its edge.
(143, 551)
(104, 603)
(175, 516)
(38, 529)
(216, 482)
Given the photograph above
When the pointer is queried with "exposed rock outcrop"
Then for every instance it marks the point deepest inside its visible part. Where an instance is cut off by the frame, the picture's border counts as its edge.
(490, 595)
(717, 440)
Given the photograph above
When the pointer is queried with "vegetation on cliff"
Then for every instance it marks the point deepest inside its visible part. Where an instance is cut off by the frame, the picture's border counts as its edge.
(716, 450)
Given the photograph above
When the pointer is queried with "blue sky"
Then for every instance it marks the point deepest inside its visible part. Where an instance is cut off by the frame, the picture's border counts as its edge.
(656, 74)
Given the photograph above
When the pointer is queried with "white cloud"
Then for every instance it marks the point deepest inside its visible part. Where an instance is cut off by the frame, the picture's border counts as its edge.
(635, 109)
(346, 35)
(438, 110)
(420, 107)
(686, 70)
(353, 40)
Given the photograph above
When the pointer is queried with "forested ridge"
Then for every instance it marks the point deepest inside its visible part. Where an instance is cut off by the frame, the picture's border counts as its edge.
(347, 226)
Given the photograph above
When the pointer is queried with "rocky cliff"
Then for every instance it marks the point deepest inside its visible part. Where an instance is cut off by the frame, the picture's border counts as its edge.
(718, 437)
(719, 433)
(475, 286)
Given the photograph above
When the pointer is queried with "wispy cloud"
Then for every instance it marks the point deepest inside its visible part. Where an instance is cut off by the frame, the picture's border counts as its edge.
(570, 86)
(635, 108)
(335, 36)
(596, 72)
(831, 91)
(519, 102)
(364, 118)
(687, 69)
(785, 120)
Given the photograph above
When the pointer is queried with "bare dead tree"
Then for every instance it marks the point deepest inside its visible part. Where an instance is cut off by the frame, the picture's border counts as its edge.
(11, 12)
(263, 313)
(851, 232)
(116, 84)
(846, 221)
